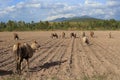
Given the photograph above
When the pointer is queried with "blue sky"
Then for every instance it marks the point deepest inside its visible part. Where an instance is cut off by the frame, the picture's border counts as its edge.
(36, 10)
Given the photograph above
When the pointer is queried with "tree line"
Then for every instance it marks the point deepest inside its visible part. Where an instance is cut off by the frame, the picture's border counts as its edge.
(66, 25)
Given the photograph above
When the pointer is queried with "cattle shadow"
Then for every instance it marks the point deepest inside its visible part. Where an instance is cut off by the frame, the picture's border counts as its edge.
(45, 47)
(21, 39)
(90, 44)
(111, 37)
(1, 40)
(5, 72)
(48, 47)
(46, 66)
(65, 38)
(95, 37)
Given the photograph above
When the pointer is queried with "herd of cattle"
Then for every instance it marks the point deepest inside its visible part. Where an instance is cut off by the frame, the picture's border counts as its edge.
(25, 51)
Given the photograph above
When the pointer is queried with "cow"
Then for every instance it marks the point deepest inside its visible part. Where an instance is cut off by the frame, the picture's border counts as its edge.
(63, 34)
(16, 37)
(24, 51)
(91, 34)
(85, 40)
(73, 35)
(110, 35)
(54, 35)
(83, 34)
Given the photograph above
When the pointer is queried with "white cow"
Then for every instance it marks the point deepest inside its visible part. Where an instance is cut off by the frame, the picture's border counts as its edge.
(85, 40)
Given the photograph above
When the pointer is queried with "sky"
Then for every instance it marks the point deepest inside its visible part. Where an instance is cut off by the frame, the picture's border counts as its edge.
(42, 10)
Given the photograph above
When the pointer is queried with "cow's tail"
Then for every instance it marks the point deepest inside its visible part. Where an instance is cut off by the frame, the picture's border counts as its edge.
(16, 50)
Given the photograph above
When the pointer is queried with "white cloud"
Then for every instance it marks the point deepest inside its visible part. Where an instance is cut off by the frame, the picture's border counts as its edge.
(113, 3)
(97, 11)
(106, 10)
(59, 16)
(7, 10)
(10, 8)
(93, 4)
(51, 9)
(35, 5)
(20, 5)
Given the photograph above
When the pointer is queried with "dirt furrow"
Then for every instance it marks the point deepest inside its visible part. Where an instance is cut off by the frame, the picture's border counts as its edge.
(62, 54)
(62, 59)
(76, 68)
(57, 58)
(88, 69)
(112, 55)
(45, 50)
(94, 61)
(111, 68)
(48, 60)
(66, 70)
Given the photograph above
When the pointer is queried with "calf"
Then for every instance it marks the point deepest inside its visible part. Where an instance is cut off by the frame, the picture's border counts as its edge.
(24, 51)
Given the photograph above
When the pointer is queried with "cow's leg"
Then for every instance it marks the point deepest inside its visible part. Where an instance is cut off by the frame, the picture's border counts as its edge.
(27, 64)
(57, 37)
(19, 65)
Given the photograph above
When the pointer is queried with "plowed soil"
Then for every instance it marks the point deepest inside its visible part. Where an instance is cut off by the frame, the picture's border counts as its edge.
(63, 59)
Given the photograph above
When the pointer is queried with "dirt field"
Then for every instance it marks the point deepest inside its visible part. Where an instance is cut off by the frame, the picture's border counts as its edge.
(64, 59)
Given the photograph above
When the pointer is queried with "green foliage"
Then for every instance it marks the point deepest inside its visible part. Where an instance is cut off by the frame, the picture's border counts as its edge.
(66, 25)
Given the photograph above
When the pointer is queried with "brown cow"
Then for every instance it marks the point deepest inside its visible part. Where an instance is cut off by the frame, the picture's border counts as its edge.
(110, 35)
(83, 34)
(63, 34)
(54, 35)
(16, 37)
(92, 34)
(24, 51)
(73, 35)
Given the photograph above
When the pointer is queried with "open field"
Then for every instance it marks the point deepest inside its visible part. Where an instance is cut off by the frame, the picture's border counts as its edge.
(64, 59)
